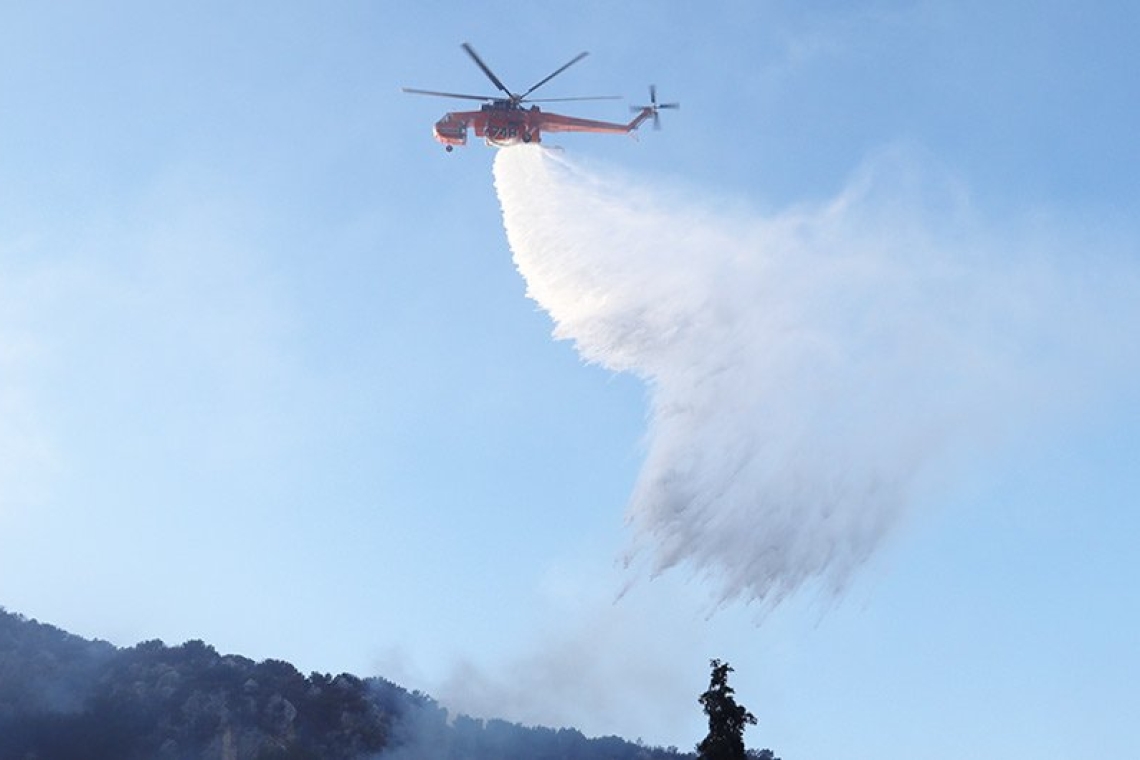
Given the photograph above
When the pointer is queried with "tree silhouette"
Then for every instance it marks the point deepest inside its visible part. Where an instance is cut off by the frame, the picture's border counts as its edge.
(727, 720)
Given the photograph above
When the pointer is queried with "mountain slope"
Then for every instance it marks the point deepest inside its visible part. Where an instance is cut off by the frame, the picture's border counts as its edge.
(63, 697)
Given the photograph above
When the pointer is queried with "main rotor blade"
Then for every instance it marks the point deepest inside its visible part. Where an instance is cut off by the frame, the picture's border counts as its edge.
(576, 58)
(414, 91)
(566, 100)
(490, 74)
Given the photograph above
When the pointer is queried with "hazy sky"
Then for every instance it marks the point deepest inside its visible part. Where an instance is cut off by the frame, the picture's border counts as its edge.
(270, 376)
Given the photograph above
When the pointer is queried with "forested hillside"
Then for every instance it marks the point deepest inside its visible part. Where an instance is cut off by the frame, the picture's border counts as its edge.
(66, 698)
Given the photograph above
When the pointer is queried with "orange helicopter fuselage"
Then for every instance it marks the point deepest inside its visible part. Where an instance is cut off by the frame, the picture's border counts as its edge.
(502, 123)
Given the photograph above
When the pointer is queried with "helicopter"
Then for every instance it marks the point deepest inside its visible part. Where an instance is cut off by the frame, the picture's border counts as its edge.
(505, 120)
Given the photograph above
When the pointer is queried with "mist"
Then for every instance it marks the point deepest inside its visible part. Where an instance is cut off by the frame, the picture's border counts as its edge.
(812, 373)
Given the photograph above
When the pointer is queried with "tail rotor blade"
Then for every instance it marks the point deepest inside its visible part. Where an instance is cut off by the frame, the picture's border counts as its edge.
(654, 107)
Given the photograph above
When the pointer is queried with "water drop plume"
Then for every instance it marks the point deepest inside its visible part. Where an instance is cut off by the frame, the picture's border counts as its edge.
(806, 368)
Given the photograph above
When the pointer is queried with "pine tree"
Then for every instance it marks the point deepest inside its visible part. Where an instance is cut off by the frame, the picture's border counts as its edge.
(727, 719)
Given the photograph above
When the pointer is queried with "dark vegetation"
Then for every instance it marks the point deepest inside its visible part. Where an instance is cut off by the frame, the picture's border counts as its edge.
(727, 721)
(65, 698)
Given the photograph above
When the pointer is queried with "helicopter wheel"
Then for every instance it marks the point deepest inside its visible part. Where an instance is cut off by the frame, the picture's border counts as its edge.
(448, 148)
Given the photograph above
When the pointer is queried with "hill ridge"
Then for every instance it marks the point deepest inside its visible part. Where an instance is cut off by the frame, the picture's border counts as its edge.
(63, 697)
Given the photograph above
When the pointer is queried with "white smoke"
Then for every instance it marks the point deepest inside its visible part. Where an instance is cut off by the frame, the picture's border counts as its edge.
(25, 453)
(806, 369)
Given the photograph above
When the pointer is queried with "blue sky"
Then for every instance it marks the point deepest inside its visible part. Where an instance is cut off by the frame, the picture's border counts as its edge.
(269, 376)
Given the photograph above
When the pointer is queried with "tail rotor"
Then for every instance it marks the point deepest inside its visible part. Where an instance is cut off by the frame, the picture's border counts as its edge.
(654, 106)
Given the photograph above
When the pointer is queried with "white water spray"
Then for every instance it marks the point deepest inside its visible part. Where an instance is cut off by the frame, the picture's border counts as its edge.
(804, 369)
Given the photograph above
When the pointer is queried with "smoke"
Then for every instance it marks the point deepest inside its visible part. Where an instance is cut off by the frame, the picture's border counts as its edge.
(809, 372)
(25, 453)
(604, 668)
